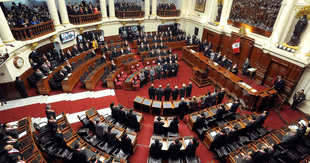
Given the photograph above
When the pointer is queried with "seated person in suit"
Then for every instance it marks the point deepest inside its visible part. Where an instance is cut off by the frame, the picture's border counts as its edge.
(219, 139)
(125, 44)
(191, 148)
(81, 48)
(141, 48)
(68, 54)
(155, 46)
(148, 47)
(161, 46)
(103, 58)
(93, 53)
(111, 135)
(174, 125)
(68, 66)
(10, 130)
(39, 74)
(174, 149)
(248, 158)
(52, 123)
(220, 112)
(224, 62)
(11, 141)
(106, 48)
(218, 58)
(159, 126)
(200, 121)
(278, 83)
(170, 39)
(45, 69)
(126, 144)
(234, 69)
(260, 155)
(155, 149)
(12, 154)
(139, 41)
(121, 52)
(79, 153)
(128, 50)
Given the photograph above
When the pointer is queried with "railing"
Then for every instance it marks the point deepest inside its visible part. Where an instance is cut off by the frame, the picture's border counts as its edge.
(83, 19)
(168, 13)
(34, 31)
(129, 14)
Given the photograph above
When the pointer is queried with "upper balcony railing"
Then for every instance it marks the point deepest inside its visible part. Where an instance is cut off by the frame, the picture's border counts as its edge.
(83, 19)
(34, 31)
(129, 14)
(168, 13)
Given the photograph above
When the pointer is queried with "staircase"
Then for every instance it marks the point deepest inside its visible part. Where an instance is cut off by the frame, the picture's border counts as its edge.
(200, 82)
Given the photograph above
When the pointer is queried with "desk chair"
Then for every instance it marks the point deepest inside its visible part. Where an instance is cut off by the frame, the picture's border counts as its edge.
(92, 139)
(111, 41)
(54, 63)
(153, 160)
(85, 74)
(137, 86)
(74, 65)
(117, 46)
(124, 62)
(148, 64)
(139, 67)
(55, 85)
(154, 63)
(90, 69)
(41, 128)
(82, 80)
(32, 80)
(103, 79)
(118, 84)
(80, 61)
(176, 160)
(84, 120)
(130, 60)
(133, 69)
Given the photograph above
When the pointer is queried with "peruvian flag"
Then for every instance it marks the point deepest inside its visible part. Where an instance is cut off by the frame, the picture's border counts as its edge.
(236, 46)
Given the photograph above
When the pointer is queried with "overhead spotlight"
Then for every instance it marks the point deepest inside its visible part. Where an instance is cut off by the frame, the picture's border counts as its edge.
(280, 46)
(288, 49)
(284, 48)
(293, 50)
(133, 18)
(149, 17)
(277, 45)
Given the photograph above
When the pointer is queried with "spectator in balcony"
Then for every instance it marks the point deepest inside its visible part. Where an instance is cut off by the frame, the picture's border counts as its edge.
(69, 8)
(39, 74)
(139, 41)
(96, 10)
(74, 11)
(45, 69)
(25, 22)
(34, 21)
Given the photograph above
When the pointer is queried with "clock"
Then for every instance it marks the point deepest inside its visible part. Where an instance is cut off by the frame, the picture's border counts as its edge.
(18, 62)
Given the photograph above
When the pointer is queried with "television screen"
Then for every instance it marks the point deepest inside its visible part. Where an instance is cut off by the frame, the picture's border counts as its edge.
(67, 36)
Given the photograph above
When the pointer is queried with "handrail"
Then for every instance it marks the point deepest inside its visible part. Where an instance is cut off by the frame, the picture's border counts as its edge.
(34, 31)
(83, 19)
(129, 14)
(168, 13)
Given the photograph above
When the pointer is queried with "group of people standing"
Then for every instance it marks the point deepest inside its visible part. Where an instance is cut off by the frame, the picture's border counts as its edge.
(83, 8)
(184, 91)
(124, 6)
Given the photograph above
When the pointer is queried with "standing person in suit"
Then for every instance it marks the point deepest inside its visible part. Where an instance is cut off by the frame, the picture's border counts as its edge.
(214, 97)
(191, 148)
(175, 93)
(220, 96)
(182, 108)
(261, 119)
(159, 126)
(132, 120)
(59, 138)
(99, 129)
(165, 69)
(193, 39)
(232, 135)
(260, 155)
(174, 149)
(159, 93)
(142, 78)
(235, 106)
(126, 145)
(49, 111)
(182, 91)
(21, 87)
(289, 138)
(200, 121)
(152, 74)
(170, 68)
(219, 139)
(234, 69)
(189, 89)
(52, 123)
(158, 70)
(245, 66)
(155, 150)
(251, 125)
(208, 100)
(192, 104)
(111, 136)
(79, 153)
(278, 83)
(174, 125)
(220, 112)
(297, 99)
(176, 69)
(146, 75)
(219, 58)
(167, 92)
(152, 92)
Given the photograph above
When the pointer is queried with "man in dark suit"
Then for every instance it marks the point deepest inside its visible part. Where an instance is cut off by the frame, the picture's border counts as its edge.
(159, 93)
(11, 141)
(260, 155)
(182, 108)
(126, 145)
(297, 99)
(193, 39)
(132, 120)
(208, 100)
(278, 83)
(141, 48)
(13, 155)
(235, 106)
(99, 129)
(220, 96)
(220, 112)
(79, 153)
(248, 158)
(176, 69)
(49, 111)
(155, 150)
(182, 91)
(232, 135)
(59, 138)
(174, 149)
(175, 93)
(224, 61)
(121, 115)
(75, 50)
(214, 97)
(81, 48)
(261, 119)
(165, 69)
(159, 126)
(146, 75)
(158, 69)
(167, 92)
(191, 148)
(246, 65)
(155, 46)
(251, 125)
(219, 139)
(106, 48)
(52, 123)
(200, 121)
(189, 89)
(289, 138)
(152, 92)
(174, 125)
(111, 135)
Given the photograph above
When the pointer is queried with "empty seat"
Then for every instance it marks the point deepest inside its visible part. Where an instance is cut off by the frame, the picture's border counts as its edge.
(74, 65)
(124, 61)
(82, 80)
(111, 41)
(80, 61)
(98, 60)
(118, 46)
(54, 63)
(130, 59)
(55, 85)
(85, 74)
(32, 80)
(96, 65)
(90, 69)
(86, 58)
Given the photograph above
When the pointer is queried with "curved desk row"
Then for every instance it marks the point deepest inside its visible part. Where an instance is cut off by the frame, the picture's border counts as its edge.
(28, 147)
(94, 77)
(165, 39)
(70, 81)
(274, 137)
(173, 45)
(128, 81)
(234, 86)
(111, 78)
(127, 67)
(71, 138)
(119, 60)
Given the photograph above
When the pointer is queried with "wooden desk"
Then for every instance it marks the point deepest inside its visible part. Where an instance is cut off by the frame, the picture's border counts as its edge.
(128, 81)
(249, 98)
(128, 66)
(156, 106)
(111, 77)
(167, 141)
(119, 60)
(137, 102)
(93, 78)
(147, 105)
(167, 106)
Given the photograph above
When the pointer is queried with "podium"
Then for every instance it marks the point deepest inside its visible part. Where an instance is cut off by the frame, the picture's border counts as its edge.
(201, 79)
(137, 102)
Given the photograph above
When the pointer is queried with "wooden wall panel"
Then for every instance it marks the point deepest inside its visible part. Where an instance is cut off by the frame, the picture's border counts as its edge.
(24, 78)
(10, 91)
(214, 38)
(255, 56)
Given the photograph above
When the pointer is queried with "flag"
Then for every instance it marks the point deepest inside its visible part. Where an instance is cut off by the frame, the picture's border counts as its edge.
(236, 46)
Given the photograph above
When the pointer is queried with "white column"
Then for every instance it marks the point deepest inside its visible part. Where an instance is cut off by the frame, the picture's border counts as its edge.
(147, 8)
(283, 21)
(103, 8)
(305, 48)
(53, 12)
(5, 31)
(211, 10)
(1, 43)
(154, 7)
(111, 9)
(63, 12)
(225, 9)
(183, 7)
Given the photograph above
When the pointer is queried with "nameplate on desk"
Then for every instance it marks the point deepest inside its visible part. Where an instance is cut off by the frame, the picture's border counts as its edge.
(127, 80)
(44, 77)
(69, 74)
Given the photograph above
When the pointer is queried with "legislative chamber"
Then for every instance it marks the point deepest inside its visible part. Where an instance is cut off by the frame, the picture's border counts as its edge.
(152, 81)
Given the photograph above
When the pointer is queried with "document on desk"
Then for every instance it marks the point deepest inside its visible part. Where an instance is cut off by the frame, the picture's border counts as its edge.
(251, 69)
(186, 141)
(254, 90)
(293, 127)
(213, 133)
(193, 51)
(22, 134)
(229, 105)
(303, 122)
(165, 146)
